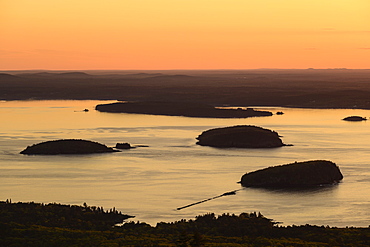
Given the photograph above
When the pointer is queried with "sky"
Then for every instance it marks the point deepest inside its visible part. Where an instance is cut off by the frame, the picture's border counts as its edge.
(184, 34)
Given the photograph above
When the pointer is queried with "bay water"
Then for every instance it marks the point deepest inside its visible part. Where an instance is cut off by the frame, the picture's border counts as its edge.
(168, 170)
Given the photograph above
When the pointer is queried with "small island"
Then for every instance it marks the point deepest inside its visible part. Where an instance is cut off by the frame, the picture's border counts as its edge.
(124, 145)
(354, 118)
(240, 136)
(295, 175)
(186, 109)
(67, 146)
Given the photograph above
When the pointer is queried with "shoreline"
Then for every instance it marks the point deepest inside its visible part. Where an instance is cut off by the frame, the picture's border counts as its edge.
(316, 89)
(216, 106)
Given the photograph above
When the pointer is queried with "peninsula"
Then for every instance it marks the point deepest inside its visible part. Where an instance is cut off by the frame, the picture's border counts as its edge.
(185, 109)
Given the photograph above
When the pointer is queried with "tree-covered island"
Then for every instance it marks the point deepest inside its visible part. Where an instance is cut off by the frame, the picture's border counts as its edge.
(186, 109)
(67, 146)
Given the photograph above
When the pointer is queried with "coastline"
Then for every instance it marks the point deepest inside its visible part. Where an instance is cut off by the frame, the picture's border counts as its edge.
(317, 89)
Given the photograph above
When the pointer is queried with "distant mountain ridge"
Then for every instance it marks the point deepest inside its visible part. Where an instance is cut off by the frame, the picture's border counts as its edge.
(6, 76)
(63, 74)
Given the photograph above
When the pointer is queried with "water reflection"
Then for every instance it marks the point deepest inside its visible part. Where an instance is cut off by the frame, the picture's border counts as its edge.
(329, 188)
(173, 171)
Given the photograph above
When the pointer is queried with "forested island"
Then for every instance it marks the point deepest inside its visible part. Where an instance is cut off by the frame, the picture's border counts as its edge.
(240, 136)
(35, 224)
(67, 146)
(295, 175)
(186, 109)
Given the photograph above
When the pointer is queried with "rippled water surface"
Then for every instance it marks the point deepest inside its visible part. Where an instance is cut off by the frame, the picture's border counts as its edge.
(172, 171)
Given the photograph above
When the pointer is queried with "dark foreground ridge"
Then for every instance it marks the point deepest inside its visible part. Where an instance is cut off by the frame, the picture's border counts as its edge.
(67, 146)
(299, 174)
(34, 224)
(60, 215)
(179, 109)
(240, 136)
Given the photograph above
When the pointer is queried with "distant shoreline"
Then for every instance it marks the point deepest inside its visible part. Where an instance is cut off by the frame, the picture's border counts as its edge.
(316, 89)
(231, 106)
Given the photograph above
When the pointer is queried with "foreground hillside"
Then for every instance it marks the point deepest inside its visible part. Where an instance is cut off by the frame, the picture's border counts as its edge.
(294, 88)
(34, 224)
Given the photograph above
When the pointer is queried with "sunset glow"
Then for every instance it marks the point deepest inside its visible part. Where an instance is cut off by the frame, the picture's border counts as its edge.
(184, 34)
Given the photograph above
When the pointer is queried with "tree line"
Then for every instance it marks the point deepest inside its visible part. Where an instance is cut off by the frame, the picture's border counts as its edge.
(37, 224)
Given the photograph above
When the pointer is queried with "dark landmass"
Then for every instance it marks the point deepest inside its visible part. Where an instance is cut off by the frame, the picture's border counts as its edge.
(124, 146)
(241, 136)
(4, 77)
(311, 88)
(299, 174)
(67, 146)
(35, 224)
(60, 215)
(185, 109)
(354, 118)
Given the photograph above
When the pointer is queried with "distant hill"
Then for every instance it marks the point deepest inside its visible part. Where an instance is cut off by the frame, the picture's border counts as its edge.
(74, 75)
(5, 76)
(78, 75)
(176, 77)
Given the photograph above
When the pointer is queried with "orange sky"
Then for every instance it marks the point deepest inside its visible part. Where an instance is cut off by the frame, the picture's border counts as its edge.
(184, 34)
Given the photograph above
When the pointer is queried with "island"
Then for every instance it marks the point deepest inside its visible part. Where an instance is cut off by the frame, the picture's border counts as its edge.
(294, 175)
(354, 118)
(186, 109)
(240, 136)
(67, 146)
(124, 145)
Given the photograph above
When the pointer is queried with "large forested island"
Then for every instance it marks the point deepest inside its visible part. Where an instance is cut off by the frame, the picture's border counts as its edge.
(298, 174)
(187, 109)
(240, 136)
(34, 224)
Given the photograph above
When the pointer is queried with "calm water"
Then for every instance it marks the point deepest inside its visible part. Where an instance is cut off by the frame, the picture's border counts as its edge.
(151, 182)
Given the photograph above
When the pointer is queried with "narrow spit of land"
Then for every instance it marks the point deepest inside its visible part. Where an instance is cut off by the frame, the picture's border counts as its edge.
(186, 109)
